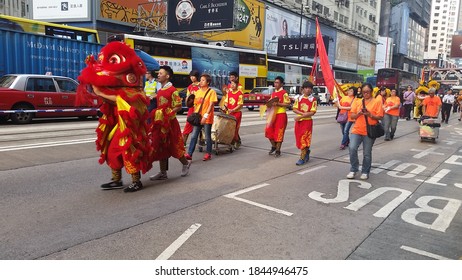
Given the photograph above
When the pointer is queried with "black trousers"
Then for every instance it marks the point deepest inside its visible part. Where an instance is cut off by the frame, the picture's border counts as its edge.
(407, 110)
(446, 112)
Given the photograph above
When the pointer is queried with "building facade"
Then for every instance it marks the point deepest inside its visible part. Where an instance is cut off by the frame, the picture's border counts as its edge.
(17, 8)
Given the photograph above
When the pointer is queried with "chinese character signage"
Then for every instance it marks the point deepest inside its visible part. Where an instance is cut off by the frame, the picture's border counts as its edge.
(299, 46)
(194, 15)
(57, 10)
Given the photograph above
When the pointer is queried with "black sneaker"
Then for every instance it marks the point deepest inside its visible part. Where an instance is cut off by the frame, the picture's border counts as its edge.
(271, 152)
(277, 154)
(133, 187)
(112, 185)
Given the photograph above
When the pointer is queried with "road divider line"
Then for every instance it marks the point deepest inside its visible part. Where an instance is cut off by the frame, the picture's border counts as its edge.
(167, 253)
(46, 144)
(256, 187)
(423, 253)
(311, 170)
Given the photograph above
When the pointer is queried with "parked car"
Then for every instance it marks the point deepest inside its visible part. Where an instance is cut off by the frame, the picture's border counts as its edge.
(184, 108)
(322, 94)
(257, 96)
(40, 92)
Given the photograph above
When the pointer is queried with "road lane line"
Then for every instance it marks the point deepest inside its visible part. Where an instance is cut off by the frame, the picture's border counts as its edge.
(167, 253)
(256, 187)
(46, 144)
(423, 253)
(311, 170)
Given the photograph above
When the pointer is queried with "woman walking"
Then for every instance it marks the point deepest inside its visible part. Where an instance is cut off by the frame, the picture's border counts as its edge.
(344, 105)
(390, 119)
(373, 111)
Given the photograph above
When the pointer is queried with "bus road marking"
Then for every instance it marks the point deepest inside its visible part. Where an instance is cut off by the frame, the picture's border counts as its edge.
(46, 144)
(310, 170)
(423, 253)
(167, 253)
(256, 187)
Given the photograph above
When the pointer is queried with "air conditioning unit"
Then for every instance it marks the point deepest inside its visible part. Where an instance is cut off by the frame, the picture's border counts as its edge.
(226, 43)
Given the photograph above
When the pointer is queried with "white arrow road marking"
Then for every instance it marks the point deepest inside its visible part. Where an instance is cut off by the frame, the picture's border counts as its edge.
(423, 253)
(235, 194)
(167, 253)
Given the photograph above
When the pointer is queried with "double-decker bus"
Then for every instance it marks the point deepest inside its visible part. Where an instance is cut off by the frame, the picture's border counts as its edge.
(398, 79)
(293, 73)
(50, 29)
(216, 61)
(342, 77)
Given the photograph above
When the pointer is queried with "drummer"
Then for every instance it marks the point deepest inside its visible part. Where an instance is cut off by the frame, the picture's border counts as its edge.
(276, 128)
(234, 101)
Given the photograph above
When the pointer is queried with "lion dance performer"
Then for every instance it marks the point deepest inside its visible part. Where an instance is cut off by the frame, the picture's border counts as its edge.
(122, 131)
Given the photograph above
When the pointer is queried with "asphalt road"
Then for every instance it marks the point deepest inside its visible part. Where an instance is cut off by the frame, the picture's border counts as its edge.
(240, 205)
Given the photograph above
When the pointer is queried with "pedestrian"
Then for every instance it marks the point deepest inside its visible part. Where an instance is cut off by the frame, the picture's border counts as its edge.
(192, 88)
(459, 99)
(205, 97)
(391, 116)
(150, 88)
(372, 110)
(234, 101)
(431, 106)
(122, 133)
(448, 101)
(408, 102)
(344, 106)
(305, 107)
(166, 137)
(276, 128)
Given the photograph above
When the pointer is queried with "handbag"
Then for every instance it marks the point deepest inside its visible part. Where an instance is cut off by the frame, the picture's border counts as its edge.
(373, 131)
(342, 117)
(195, 118)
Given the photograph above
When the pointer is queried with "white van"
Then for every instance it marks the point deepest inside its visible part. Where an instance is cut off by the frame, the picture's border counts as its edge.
(322, 94)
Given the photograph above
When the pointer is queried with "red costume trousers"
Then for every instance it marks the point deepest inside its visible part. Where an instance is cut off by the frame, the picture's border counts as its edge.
(238, 116)
(303, 133)
(276, 130)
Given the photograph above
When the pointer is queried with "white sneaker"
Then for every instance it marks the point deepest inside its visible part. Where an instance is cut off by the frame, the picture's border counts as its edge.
(351, 175)
(364, 177)
(159, 176)
(185, 170)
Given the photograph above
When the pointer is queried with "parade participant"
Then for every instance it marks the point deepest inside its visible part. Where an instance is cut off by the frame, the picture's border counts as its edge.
(192, 88)
(408, 102)
(234, 101)
(448, 101)
(344, 105)
(373, 110)
(391, 116)
(276, 128)
(431, 105)
(150, 88)
(122, 131)
(207, 97)
(166, 137)
(459, 99)
(305, 107)
(233, 77)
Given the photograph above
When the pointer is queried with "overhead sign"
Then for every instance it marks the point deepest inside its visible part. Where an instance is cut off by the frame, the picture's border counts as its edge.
(299, 46)
(195, 15)
(57, 10)
(456, 46)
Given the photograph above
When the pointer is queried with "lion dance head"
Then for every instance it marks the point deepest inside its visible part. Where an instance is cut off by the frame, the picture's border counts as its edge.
(117, 65)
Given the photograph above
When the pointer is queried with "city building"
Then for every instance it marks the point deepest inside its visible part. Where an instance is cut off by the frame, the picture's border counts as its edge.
(443, 26)
(17, 8)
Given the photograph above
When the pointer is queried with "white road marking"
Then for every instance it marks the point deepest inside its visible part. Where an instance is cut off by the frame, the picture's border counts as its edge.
(167, 253)
(256, 187)
(46, 144)
(311, 170)
(423, 253)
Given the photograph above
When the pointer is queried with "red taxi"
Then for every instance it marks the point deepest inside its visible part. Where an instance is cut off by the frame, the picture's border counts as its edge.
(257, 96)
(45, 96)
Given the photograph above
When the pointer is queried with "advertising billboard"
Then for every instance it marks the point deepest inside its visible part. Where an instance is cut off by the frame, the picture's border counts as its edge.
(456, 46)
(347, 51)
(366, 55)
(279, 23)
(299, 46)
(126, 12)
(250, 20)
(194, 15)
(58, 10)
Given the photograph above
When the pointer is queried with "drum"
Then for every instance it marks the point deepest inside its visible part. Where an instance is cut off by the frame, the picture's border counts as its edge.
(223, 128)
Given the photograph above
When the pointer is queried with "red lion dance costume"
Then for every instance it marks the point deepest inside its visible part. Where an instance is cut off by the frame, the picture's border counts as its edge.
(122, 131)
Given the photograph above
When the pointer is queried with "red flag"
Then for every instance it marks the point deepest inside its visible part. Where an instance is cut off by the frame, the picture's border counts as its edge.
(314, 71)
(324, 60)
